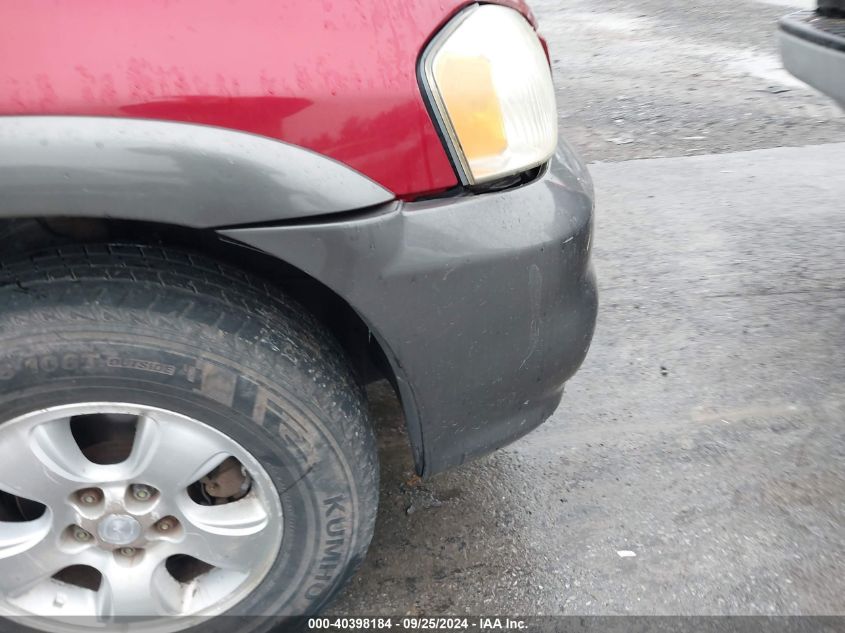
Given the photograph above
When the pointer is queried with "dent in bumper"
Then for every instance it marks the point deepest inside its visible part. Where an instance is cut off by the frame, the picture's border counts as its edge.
(485, 304)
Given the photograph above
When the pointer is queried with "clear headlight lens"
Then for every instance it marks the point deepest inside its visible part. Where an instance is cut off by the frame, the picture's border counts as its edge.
(490, 83)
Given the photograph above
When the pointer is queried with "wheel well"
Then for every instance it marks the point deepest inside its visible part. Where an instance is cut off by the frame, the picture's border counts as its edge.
(24, 235)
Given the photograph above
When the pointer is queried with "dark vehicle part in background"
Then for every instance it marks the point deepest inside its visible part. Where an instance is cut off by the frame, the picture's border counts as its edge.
(812, 45)
(832, 8)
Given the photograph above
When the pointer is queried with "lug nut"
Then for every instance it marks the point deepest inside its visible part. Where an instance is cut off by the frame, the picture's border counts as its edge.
(83, 536)
(142, 492)
(90, 496)
(126, 551)
(167, 524)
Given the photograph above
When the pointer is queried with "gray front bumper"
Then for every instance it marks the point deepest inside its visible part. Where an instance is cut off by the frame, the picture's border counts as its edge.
(485, 304)
(813, 49)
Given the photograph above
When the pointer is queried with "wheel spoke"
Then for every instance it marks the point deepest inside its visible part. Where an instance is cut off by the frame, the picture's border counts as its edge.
(27, 555)
(231, 536)
(132, 591)
(47, 566)
(48, 464)
(171, 455)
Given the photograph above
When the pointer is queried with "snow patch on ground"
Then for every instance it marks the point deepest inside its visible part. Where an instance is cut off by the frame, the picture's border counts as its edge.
(763, 66)
(795, 4)
(612, 22)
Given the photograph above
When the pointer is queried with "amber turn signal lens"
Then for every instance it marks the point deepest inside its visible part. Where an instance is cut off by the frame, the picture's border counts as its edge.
(469, 96)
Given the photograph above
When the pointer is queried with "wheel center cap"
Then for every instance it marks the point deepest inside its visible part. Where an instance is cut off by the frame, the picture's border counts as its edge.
(119, 529)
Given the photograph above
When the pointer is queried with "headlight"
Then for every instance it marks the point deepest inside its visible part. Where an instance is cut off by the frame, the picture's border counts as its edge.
(490, 87)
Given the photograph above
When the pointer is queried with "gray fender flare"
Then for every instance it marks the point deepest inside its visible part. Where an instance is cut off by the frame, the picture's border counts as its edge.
(176, 173)
(181, 174)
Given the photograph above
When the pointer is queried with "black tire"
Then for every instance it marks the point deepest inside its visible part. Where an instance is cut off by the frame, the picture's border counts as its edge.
(173, 330)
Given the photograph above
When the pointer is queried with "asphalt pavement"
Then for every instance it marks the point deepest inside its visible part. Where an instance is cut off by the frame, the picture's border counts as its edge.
(697, 463)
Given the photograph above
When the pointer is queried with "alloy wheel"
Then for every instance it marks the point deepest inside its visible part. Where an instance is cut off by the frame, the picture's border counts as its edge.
(112, 510)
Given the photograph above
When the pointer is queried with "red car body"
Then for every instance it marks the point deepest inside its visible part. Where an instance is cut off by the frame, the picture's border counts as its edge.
(245, 118)
(218, 221)
(333, 76)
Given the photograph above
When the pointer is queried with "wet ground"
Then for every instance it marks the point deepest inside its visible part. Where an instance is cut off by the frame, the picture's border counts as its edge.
(697, 464)
(657, 78)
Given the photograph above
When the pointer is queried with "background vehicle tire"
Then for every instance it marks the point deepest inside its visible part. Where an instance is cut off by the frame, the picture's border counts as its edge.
(168, 331)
